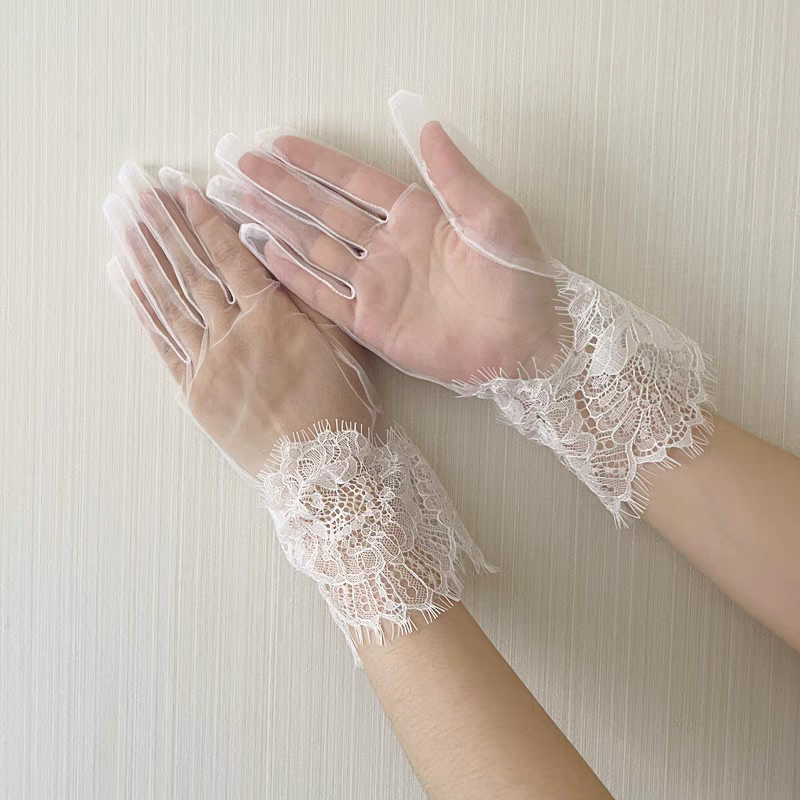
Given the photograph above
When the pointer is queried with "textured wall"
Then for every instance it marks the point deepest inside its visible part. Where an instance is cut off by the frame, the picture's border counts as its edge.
(153, 642)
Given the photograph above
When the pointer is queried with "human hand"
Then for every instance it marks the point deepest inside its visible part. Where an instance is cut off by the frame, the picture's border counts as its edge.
(452, 286)
(253, 364)
(284, 394)
(441, 285)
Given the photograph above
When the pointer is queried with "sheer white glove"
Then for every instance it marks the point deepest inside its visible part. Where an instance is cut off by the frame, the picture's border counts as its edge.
(284, 394)
(452, 286)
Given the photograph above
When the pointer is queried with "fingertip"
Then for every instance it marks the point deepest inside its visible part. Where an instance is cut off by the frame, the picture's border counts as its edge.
(255, 239)
(163, 196)
(432, 128)
(281, 265)
(151, 201)
(274, 253)
(132, 235)
(224, 193)
(136, 288)
(191, 201)
(441, 156)
(178, 185)
(286, 145)
(134, 182)
(265, 170)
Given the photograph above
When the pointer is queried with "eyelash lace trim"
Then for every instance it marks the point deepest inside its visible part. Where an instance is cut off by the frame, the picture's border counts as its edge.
(370, 522)
(628, 388)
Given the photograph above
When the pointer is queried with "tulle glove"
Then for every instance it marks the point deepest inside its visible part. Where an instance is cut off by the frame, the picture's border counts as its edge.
(451, 285)
(284, 395)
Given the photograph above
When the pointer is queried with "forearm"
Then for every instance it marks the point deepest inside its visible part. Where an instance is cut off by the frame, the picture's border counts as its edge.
(734, 512)
(469, 726)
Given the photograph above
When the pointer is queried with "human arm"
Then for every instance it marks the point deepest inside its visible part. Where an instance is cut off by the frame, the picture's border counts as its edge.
(286, 397)
(453, 287)
(734, 512)
(469, 726)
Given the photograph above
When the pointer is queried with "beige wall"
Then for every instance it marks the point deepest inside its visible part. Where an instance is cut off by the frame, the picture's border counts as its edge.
(153, 641)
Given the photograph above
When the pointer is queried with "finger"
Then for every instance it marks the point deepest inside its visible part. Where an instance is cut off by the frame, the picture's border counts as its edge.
(231, 152)
(239, 269)
(154, 274)
(129, 291)
(150, 263)
(466, 192)
(255, 239)
(198, 272)
(333, 263)
(334, 214)
(484, 217)
(301, 282)
(174, 181)
(195, 273)
(122, 220)
(449, 173)
(360, 183)
(179, 369)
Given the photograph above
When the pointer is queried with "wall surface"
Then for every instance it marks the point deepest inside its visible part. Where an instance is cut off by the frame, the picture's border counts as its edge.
(153, 641)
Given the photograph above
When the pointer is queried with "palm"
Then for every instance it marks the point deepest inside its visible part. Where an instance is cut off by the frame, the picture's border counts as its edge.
(437, 307)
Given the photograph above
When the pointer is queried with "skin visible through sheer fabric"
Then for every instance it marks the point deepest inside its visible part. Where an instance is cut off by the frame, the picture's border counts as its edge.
(355, 505)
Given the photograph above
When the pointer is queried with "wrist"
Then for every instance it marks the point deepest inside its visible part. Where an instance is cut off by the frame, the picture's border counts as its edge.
(370, 523)
(626, 390)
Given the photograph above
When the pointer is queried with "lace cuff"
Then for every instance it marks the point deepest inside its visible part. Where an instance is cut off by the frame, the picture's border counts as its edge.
(627, 390)
(370, 522)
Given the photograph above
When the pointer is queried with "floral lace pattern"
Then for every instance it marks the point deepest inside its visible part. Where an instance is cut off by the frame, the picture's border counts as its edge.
(629, 388)
(370, 522)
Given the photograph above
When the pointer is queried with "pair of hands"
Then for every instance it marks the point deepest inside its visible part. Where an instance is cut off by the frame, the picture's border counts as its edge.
(254, 327)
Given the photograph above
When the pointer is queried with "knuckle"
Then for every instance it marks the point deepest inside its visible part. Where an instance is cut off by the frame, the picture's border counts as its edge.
(200, 215)
(225, 249)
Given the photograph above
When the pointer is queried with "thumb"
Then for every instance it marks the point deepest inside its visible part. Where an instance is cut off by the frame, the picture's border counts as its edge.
(461, 189)
(485, 218)
(458, 185)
